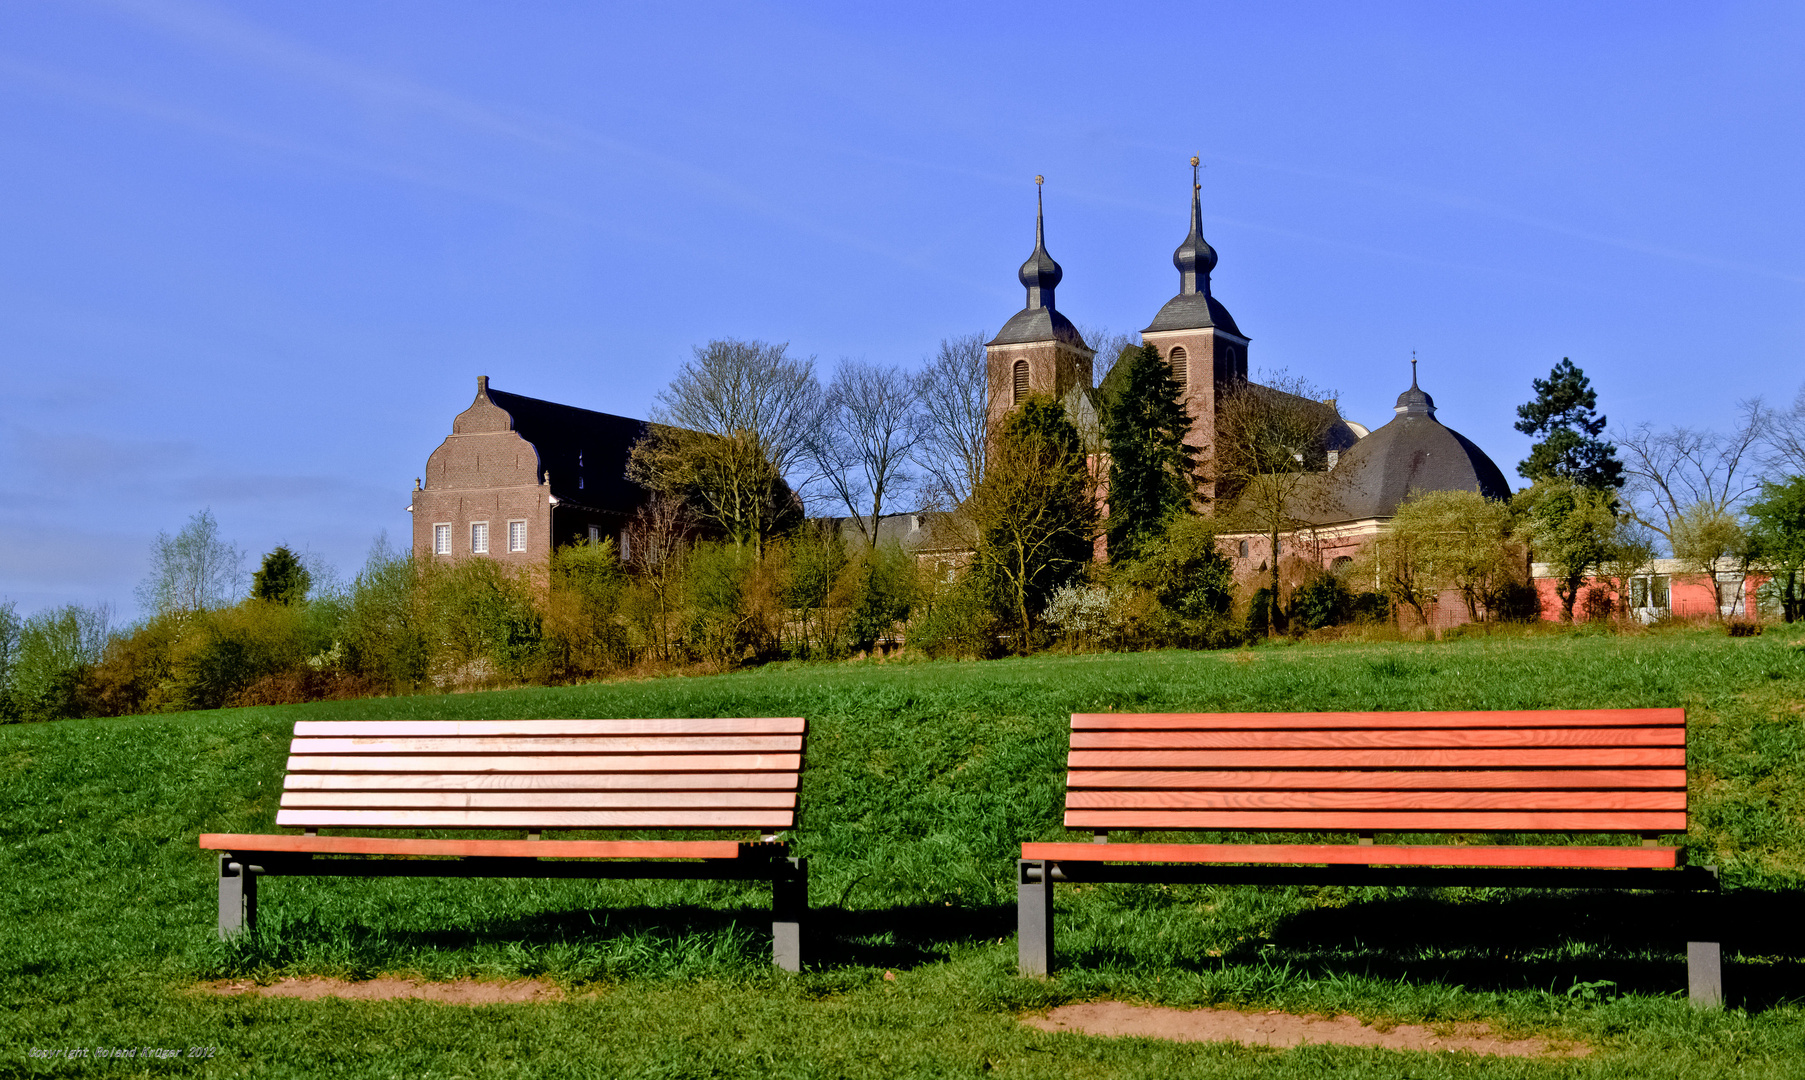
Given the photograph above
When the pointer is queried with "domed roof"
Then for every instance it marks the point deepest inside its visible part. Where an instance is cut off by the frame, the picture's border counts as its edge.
(1414, 452)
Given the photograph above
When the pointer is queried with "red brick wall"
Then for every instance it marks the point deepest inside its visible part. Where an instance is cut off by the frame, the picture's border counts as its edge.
(484, 472)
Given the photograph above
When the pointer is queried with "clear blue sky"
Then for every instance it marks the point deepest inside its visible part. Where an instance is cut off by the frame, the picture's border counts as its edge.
(255, 256)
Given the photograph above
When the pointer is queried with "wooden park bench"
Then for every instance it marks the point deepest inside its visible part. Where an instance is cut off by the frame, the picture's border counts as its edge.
(533, 775)
(1576, 772)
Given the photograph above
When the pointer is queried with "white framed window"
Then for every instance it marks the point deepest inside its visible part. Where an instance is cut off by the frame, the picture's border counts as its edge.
(516, 536)
(479, 537)
(625, 551)
(441, 538)
(595, 534)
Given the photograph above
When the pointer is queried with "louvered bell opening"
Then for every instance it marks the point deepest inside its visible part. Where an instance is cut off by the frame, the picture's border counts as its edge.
(1181, 366)
(1021, 381)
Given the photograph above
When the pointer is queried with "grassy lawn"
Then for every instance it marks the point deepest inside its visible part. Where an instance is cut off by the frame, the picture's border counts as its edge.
(923, 778)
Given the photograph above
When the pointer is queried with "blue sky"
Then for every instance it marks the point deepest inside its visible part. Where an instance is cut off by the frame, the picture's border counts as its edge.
(255, 255)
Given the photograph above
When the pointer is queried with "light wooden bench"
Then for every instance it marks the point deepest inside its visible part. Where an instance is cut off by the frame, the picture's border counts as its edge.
(1581, 772)
(533, 775)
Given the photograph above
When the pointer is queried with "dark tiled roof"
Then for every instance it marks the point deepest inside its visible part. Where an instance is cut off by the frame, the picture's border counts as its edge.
(1414, 452)
(1194, 311)
(1038, 324)
(924, 530)
(564, 435)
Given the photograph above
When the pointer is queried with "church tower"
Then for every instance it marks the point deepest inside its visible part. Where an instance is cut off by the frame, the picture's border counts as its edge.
(1038, 351)
(1196, 334)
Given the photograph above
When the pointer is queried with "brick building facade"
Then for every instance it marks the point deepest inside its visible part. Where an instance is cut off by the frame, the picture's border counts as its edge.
(519, 476)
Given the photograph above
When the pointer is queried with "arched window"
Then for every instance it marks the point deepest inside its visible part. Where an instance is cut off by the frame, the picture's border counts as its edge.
(1181, 366)
(1340, 565)
(1242, 549)
(1021, 381)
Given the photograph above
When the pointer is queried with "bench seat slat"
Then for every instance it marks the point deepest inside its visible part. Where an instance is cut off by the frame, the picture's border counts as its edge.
(1355, 855)
(1390, 820)
(529, 800)
(771, 781)
(1301, 780)
(537, 819)
(1673, 757)
(786, 725)
(597, 744)
(1409, 738)
(542, 763)
(1375, 800)
(1368, 721)
(501, 849)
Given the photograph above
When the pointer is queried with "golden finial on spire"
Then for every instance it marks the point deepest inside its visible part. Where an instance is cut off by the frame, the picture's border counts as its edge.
(1040, 179)
(1195, 161)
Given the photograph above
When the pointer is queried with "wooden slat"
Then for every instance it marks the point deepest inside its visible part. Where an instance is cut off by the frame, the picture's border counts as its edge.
(594, 744)
(1376, 759)
(1410, 738)
(737, 725)
(1528, 718)
(771, 781)
(500, 849)
(531, 819)
(1503, 779)
(1375, 800)
(1389, 820)
(549, 763)
(528, 800)
(1356, 855)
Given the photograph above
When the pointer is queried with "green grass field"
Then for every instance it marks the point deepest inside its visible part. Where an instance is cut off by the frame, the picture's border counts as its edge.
(922, 780)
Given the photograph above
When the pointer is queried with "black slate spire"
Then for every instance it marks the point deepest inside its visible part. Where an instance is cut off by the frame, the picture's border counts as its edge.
(1040, 273)
(1195, 258)
(1415, 401)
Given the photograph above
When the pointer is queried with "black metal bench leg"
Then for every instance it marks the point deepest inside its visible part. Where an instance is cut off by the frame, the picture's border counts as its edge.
(237, 898)
(1034, 917)
(789, 901)
(1704, 951)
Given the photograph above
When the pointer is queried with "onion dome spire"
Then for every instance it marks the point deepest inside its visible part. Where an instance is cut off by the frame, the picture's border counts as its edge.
(1414, 401)
(1195, 258)
(1040, 273)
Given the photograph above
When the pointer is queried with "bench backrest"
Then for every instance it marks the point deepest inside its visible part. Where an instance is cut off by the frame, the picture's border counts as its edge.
(1587, 770)
(543, 774)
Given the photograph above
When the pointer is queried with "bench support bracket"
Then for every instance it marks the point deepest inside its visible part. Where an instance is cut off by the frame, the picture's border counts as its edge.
(237, 897)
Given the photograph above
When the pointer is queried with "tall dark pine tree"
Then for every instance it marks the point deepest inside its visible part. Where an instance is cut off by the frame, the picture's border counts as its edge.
(281, 578)
(1565, 414)
(1149, 467)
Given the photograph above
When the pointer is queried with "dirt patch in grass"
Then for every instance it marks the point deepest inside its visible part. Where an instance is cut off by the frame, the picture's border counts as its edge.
(389, 988)
(1114, 1019)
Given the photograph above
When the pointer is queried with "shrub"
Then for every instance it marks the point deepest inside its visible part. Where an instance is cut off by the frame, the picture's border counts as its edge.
(55, 650)
(220, 653)
(383, 635)
(485, 622)
(1322, 601)
(962, 623)
(584, 634)
(883, 593)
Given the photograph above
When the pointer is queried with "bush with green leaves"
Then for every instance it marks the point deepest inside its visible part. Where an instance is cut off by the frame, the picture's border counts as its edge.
(584, 631)
(485, 622)
(883, 594)
(1322, 600)
(55, 650)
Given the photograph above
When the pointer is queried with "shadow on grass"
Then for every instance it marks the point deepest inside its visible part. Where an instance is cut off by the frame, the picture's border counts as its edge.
(1585, 944)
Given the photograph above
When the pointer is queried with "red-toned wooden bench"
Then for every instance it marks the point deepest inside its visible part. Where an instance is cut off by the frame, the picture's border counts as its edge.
(533, 775)
(1577, 772)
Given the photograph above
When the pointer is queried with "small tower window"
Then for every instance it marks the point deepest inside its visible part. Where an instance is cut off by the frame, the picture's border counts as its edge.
(1181, 366)
(1021, 381)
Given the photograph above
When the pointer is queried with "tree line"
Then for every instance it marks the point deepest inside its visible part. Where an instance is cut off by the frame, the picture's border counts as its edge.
(725, 565)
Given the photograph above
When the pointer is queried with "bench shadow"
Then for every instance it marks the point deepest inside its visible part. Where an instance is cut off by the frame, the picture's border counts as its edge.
(1589, 945)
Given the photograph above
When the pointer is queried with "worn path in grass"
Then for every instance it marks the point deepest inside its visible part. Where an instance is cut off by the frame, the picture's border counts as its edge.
(922, 780)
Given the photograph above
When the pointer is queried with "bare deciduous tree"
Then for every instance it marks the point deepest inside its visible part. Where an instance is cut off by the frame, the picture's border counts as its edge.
(955, 420)
(656, 539)
(869, 427)
(1270, 457)
(1109, 345)
(1786, 439)
(194, 570)
(747, 386)
(1675, 469)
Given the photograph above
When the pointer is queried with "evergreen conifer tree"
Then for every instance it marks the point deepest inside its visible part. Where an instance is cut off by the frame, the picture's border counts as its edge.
(1565, 414)
(1149, 467)
(281, 578)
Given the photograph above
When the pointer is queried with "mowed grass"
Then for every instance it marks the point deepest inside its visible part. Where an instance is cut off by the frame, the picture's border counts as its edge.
(922, 780)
